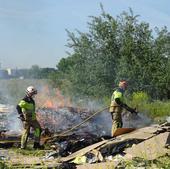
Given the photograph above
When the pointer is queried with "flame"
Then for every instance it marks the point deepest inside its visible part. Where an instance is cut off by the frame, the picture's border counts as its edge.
(52, 98)
(49, 104)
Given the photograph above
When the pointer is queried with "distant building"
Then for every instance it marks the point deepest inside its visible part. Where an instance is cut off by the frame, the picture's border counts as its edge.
(25, 73)
(12, 72)
(3, 74)
(8, 73)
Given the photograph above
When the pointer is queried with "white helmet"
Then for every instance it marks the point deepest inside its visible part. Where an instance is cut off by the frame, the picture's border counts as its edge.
(30, 91)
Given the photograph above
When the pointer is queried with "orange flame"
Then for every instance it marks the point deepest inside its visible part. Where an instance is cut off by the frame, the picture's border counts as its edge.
(49, 104)
(52, 99)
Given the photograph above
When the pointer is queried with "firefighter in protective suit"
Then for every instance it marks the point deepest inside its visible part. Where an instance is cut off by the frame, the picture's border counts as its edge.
(117, 105)
(26, 111)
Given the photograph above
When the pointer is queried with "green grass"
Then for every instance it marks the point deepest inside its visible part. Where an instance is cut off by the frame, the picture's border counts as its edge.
(160, 163)
(30, 152)
(155, 109)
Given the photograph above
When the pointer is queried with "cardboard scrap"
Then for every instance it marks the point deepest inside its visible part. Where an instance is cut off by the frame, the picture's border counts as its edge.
(150, 149)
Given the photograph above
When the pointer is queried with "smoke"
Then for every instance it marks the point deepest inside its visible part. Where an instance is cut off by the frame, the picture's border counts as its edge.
(53, 109)
(14, 123)
(58, 110)
(11, 92)
(168, 119)
(66, 118)
(103, 121)
(135, 121)
(9, 119)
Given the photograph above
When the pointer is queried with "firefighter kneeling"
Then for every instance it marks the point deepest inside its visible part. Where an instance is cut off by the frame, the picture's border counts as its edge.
(26, 111)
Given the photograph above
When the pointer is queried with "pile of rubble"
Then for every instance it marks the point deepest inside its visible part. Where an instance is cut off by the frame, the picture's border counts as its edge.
(65, 118)
(90, 146)
(5, 112)
(91, 151)
(148, 143)
(8, 135)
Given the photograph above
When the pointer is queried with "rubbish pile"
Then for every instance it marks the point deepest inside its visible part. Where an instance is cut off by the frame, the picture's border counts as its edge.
(83, 147)
(5, 112)
(8, 135)
(148, 143)
(91, 145)
(9, 139)
(65, 118)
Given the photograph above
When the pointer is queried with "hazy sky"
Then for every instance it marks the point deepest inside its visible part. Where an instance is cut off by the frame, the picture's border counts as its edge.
(33, 31)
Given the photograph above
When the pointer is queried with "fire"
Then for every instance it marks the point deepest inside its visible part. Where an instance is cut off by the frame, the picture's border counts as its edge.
(61, 100)
(52, 98)
(49, 104)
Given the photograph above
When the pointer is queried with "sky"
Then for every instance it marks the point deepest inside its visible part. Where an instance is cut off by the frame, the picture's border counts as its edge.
(33, 32)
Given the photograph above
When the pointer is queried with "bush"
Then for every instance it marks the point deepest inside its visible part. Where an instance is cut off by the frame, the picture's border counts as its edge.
(2, 165)
(154, 109)
(139, 99)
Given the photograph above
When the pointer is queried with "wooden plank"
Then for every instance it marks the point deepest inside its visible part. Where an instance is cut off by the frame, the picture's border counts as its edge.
(140, 134)
(9, 139)
(121, 131)
(83, 151)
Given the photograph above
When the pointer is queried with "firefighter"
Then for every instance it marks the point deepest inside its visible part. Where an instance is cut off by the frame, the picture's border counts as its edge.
(26, 111)
(117, 105)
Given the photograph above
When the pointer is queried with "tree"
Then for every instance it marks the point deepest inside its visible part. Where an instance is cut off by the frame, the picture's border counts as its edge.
(114, 49)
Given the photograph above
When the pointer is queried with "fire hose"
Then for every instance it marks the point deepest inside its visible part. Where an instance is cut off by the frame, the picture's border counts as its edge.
(78, 125)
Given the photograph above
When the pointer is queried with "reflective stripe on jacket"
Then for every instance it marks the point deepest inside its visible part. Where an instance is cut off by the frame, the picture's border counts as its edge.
(118, 93)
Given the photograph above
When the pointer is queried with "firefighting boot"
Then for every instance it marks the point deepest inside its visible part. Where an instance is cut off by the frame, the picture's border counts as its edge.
(38, 146)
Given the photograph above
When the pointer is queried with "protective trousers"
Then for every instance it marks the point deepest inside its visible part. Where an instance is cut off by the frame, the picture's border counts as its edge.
(116, 119)
(37, 132)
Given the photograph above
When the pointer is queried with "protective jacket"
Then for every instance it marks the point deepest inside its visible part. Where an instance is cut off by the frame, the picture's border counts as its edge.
(26, 109)
(116, 109)
(116, 99)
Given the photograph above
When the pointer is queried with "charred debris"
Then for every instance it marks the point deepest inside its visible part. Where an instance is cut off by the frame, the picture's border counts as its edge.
(88, 144)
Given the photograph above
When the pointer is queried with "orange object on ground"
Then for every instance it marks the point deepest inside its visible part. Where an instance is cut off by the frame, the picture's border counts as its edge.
(121, 131)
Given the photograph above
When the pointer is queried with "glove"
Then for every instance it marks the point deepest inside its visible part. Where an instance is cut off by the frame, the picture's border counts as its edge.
(133, 111)
(21, 117)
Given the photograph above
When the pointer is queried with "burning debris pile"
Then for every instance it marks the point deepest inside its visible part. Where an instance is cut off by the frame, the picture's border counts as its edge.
(87, 144)
(90, 143)
(65, 118)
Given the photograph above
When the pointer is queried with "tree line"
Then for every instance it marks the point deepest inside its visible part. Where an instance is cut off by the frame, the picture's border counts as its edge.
(112, 49)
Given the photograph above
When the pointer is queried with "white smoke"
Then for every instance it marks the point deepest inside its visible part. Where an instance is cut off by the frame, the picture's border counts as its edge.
(168, 119)
(103, 121)
(9, 119)
(11, 92)
(135, 121)
(14, 123)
